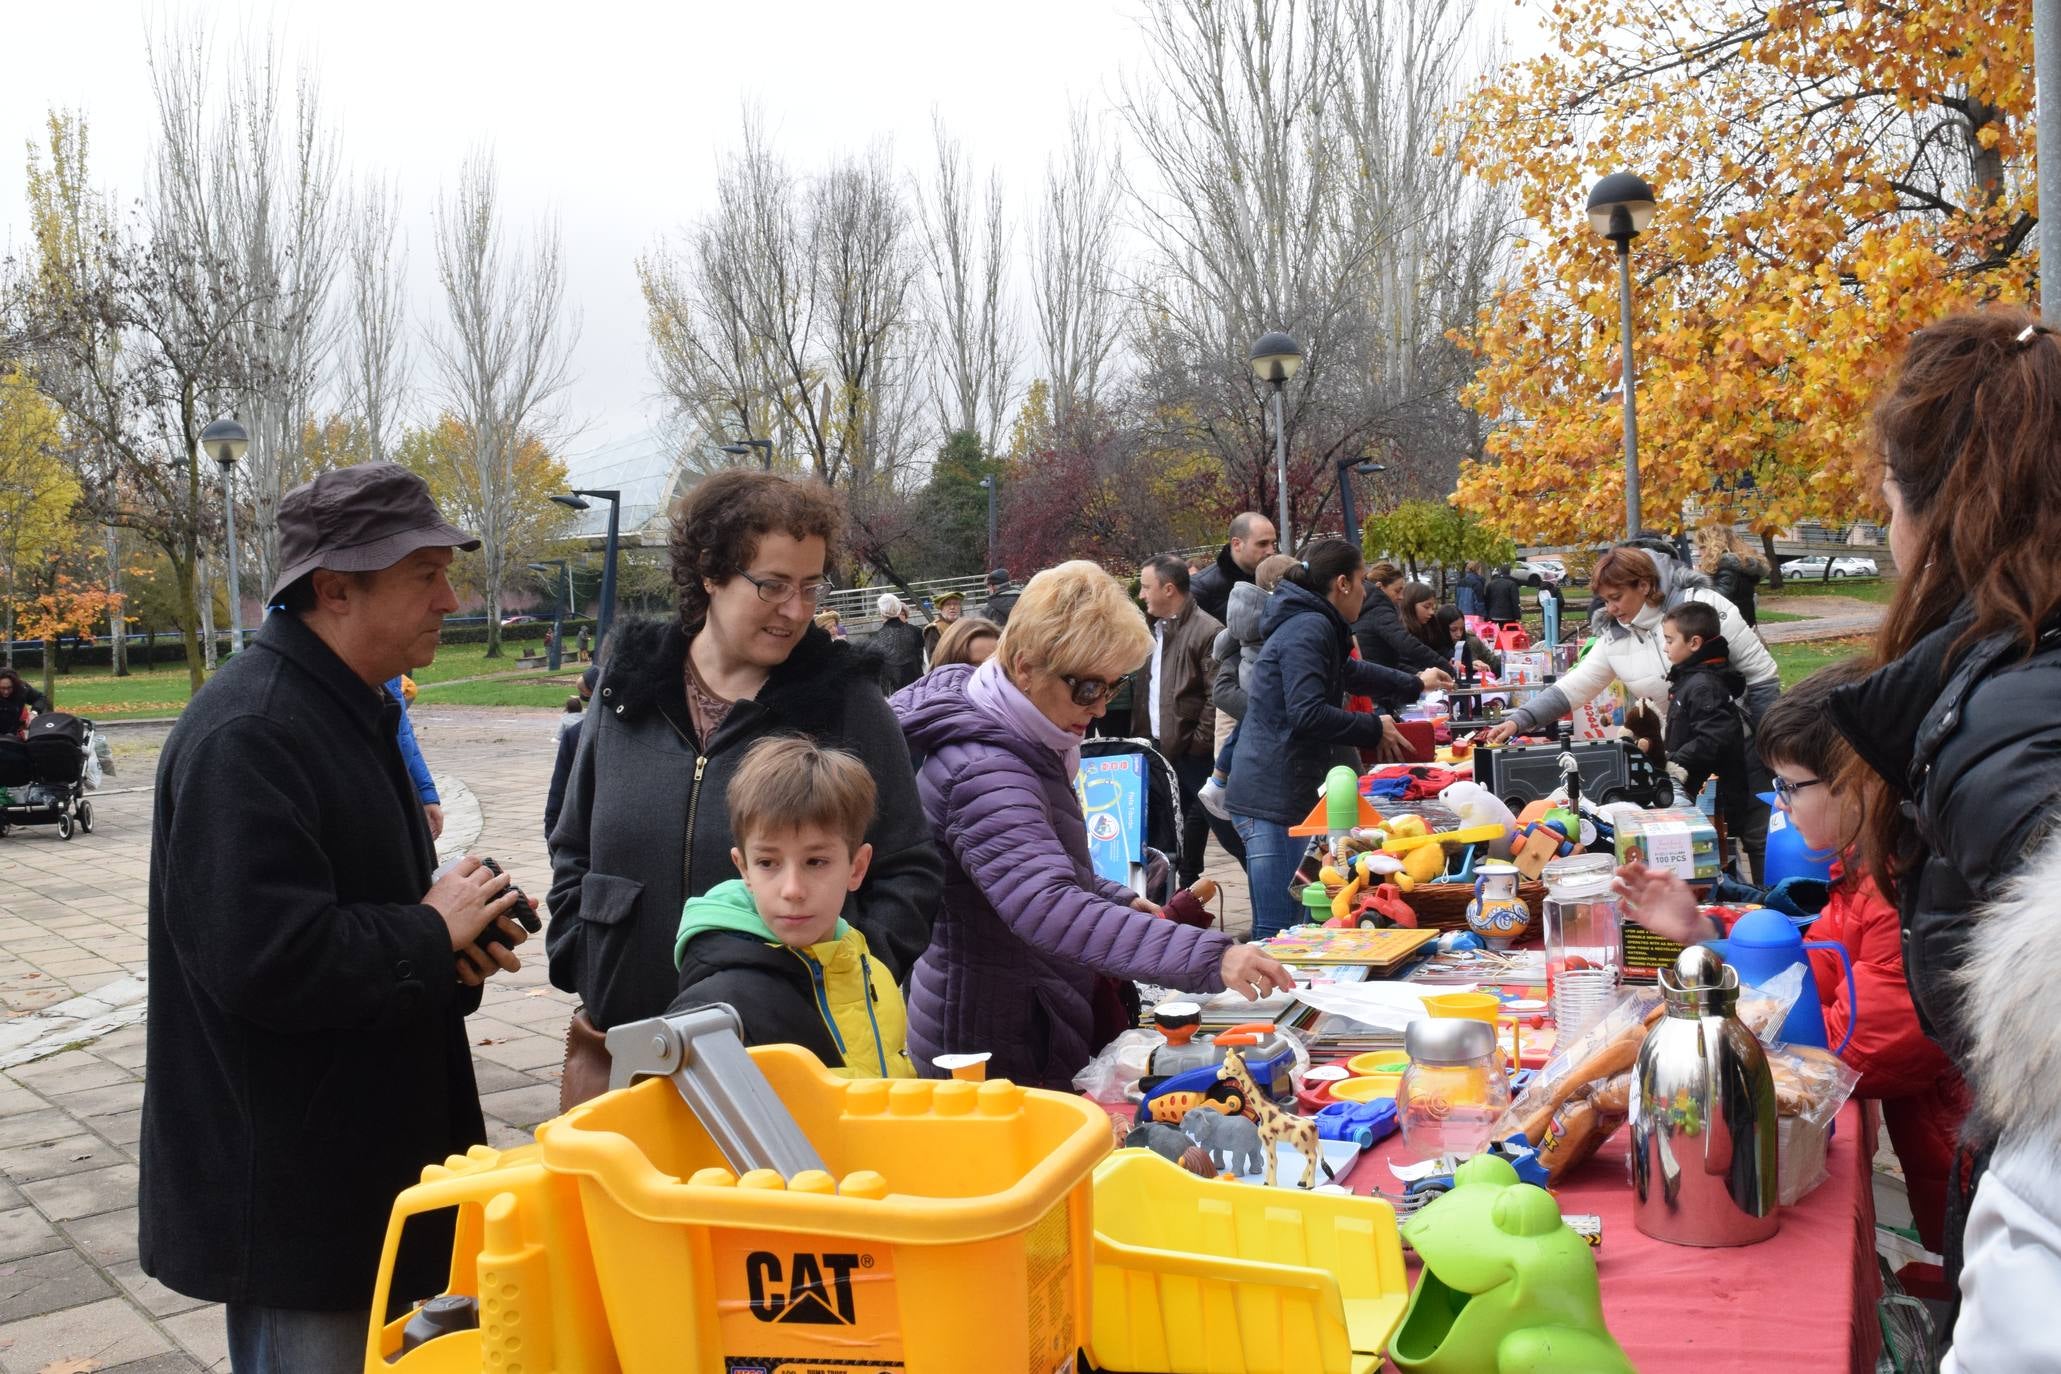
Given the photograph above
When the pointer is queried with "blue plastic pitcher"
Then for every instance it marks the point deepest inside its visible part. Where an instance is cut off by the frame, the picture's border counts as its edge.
(1763, 944)
(1787, 855)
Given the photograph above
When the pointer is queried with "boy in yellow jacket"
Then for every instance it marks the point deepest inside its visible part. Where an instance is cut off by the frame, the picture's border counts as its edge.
(773, 946)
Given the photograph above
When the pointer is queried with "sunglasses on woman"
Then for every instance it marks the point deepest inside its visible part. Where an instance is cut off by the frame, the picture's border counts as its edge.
(1089, 690)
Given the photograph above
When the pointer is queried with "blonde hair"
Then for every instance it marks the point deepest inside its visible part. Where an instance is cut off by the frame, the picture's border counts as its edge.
(955, 645)
(1075, 620)
(1384, 573)
(828, 618)
(1272, 569)
(1713, 542)
(789, 782)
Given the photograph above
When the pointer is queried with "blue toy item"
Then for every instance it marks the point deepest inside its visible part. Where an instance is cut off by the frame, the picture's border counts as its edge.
(1362, 1123)
(1788, 856)
(1763, 944)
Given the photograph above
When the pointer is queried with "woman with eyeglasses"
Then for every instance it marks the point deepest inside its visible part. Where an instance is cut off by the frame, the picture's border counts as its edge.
(644, 825)
(1295, 722)
(1028, 936)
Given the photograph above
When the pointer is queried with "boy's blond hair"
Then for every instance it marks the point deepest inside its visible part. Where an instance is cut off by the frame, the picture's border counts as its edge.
(790, 782)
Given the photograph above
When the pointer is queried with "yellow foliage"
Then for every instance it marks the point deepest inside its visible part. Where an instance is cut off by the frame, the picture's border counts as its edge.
(37, 490)
(1830, 177)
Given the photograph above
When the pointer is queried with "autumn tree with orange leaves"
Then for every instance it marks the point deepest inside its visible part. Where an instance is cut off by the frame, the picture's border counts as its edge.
(1831, 176)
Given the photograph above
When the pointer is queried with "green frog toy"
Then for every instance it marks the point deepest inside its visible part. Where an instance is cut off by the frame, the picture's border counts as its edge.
(1507, 1285)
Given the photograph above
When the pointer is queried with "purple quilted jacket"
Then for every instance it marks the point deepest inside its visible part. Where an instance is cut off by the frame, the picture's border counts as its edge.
(1025, 925)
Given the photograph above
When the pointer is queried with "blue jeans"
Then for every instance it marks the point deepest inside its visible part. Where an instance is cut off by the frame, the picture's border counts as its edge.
(1271, 858)
(293, 1340)
(1230, 747)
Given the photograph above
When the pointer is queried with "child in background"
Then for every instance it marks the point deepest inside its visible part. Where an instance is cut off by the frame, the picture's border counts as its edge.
(1706, 722)
(1923, 1099)
(575, 713)
(774, 946)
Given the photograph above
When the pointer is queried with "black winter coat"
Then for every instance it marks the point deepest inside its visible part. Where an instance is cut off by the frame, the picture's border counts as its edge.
(1383, 640)
(901, 651)
(1501, 602)
(1972, 740)
(1211, 588)
(1735, 580)
(1706, 725)
(767, 986)
(307, 1051)
(645, 826)
(1293, 722)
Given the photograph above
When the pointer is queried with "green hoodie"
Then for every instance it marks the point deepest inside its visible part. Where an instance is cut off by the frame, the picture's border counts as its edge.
(728, 906)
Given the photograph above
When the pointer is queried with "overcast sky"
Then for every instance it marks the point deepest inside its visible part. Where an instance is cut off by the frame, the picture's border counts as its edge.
(609, 116)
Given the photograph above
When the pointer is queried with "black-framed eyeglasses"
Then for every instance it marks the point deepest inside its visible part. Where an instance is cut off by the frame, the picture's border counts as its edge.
(1089, 690)
(778, 591)
(1785, 790)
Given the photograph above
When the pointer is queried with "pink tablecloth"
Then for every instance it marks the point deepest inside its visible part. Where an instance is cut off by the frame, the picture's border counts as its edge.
(1802, 1300)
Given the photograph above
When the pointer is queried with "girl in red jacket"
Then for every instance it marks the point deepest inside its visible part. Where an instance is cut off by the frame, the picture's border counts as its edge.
(1923, 1098)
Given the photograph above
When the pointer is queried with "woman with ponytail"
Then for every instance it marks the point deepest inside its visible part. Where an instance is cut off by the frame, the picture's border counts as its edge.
(1958, 737)
(1295, 721)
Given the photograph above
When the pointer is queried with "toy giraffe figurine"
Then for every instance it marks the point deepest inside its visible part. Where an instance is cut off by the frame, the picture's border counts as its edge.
(1275, 1124)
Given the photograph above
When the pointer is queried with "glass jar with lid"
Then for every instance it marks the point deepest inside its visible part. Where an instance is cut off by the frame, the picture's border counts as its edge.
(1584, 931)
(1454, 1090)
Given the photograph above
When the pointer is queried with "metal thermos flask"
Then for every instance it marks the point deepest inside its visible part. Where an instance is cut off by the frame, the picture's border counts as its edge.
(1703, 1117)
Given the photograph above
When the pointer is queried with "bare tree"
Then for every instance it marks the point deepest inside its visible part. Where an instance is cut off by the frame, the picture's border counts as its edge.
(503, 355)
(1074, 279)
(792, 310)
(1291, 177)
(972, 336)
(375, 331)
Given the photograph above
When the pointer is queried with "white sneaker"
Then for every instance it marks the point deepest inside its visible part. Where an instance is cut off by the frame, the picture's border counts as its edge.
(1211, 794)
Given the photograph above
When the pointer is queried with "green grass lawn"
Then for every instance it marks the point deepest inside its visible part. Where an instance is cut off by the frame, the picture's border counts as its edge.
(163, 691)
(1778, 617)
(1876, 589)
(1799, 661)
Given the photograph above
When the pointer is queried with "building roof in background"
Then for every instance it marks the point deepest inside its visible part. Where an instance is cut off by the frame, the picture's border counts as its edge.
(646, 469)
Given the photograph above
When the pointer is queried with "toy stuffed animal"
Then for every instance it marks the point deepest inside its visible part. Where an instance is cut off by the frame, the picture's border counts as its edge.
(1642, 719)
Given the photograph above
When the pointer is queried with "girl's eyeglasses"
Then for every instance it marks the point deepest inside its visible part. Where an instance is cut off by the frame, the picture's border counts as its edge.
(1785, 790)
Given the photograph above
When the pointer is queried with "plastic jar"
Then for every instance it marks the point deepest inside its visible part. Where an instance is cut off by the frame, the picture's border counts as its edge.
(1584, 930)
(1454, 1090)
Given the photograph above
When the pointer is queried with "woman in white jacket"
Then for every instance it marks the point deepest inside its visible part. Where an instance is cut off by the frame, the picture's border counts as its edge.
(1638, 587)
(2011, 1254)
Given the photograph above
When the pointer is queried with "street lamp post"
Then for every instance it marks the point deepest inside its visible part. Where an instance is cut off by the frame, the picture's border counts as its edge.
(990, 484)
(1620, 208)
(1365, 467)
(606, 615)
(225, 440)
(556, 653)
(744, 446)
(1276, 358)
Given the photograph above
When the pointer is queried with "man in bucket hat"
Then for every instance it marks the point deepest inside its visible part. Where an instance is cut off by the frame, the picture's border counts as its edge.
(309, 973)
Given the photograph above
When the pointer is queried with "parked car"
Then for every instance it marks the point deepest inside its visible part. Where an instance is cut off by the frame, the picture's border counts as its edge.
(508, 620)
(1804, 569)
(1551, 569)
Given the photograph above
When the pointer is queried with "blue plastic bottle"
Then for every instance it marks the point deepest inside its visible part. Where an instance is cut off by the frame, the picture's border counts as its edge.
(1762, 945)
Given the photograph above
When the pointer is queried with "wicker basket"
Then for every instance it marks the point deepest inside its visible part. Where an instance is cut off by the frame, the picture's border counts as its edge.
(1443, 906)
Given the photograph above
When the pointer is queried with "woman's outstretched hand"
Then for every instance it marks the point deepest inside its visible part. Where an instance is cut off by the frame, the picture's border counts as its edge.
(1254, 974)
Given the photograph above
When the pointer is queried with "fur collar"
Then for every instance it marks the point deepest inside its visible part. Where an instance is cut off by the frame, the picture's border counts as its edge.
(644, 664)
(2006, 997)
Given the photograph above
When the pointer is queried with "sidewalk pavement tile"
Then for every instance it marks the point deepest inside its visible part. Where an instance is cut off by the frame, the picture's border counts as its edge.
(106, 1237)
(172, 1362)
(111, 1333)
(32, 1128)
(111, 1100)
(26, 1164)
(44, 1283)
(202, 1335)
(23, 1231)
(71, 1072)
(151, 1295)
(84, 1195)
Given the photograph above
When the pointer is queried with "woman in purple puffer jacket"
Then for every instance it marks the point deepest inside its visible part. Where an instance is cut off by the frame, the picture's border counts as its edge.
(1026, 928)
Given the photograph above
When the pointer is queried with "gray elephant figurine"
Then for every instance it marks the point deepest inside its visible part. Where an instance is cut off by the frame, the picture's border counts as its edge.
(1163, 1140)
(1234, 1137)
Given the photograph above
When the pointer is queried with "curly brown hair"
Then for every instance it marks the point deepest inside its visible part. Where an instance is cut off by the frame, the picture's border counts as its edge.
(717, 528)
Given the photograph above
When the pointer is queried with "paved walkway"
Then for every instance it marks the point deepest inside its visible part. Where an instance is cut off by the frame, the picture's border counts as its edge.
(72, 961)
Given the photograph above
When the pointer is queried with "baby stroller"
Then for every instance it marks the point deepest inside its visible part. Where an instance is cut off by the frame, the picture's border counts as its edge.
(1157, 863)
(43, 777)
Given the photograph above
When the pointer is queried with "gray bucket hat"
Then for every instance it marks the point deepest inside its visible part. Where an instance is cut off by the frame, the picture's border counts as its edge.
(359, 519)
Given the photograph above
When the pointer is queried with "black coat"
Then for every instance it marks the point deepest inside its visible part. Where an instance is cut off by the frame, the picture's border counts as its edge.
(1706, 724)
(901, 650)
(645, 826)
(1736, 579)
(1211, 588)
(767, 986)
(306, 1047)
(561, 769)
(999, 605)
(1501, 602)
(1293, 722)
(1973, 742)
(1383, 640)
